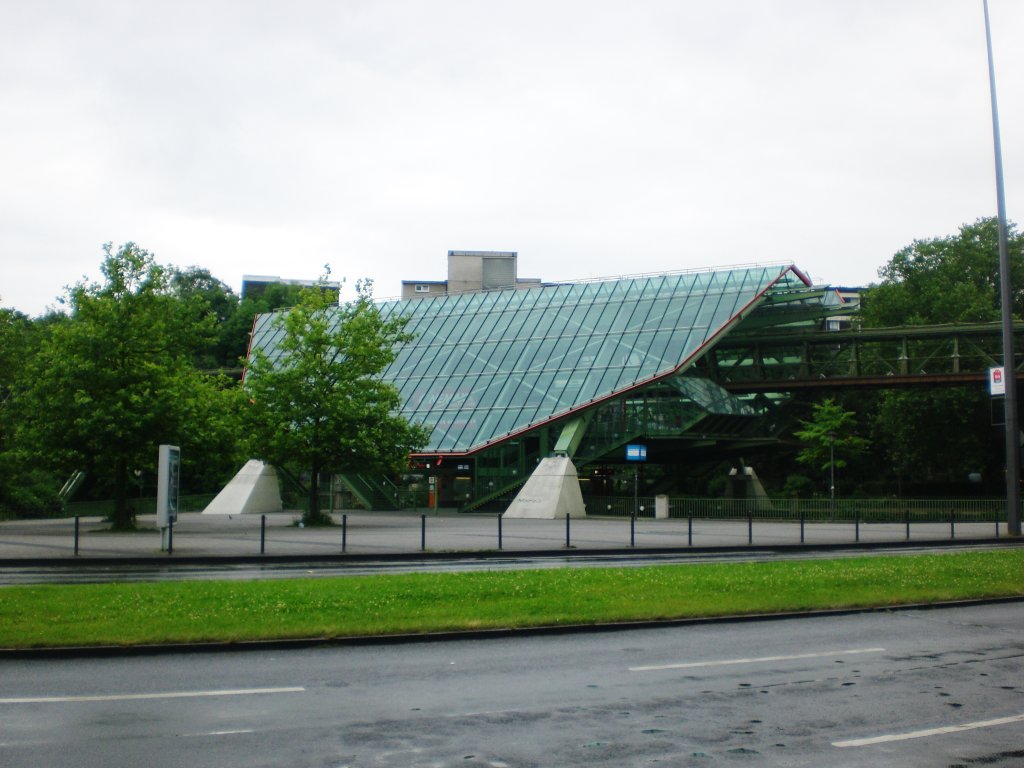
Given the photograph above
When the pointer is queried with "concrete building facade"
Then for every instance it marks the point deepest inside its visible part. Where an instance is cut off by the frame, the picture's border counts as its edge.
(470, 271)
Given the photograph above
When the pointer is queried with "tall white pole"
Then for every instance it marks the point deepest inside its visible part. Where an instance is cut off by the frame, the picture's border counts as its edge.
(1006, 300)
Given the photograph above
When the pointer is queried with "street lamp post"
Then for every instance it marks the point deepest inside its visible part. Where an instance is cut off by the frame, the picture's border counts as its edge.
(1006, 300)
(138, 480)
(832, 471)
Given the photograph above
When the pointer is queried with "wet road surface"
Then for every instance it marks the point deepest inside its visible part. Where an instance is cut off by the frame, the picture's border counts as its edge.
(909, 688)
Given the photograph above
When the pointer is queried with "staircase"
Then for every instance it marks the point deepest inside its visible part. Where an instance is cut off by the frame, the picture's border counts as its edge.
(373, 492)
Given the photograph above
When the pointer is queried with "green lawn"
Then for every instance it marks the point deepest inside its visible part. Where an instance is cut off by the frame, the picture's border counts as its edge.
(189, 611)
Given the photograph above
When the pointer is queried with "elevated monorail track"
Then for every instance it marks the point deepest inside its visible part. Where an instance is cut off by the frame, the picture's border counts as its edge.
(910, 356)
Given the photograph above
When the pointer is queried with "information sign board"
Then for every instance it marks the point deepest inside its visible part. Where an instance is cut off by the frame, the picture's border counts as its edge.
(996, 382)
(168, 472)
(636, 452)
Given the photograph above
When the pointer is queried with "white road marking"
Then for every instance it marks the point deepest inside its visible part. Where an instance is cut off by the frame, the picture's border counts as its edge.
(222, 733)
(727, 662)
(929, 732)
(143, 696)
(487, 713)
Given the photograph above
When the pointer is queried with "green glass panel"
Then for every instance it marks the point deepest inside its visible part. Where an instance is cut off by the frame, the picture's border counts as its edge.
(543, 385)
(513, 355)
(482, 364)
(487, 427)
(508, 422)
(708, 307)
(428, 392)
(640, 312)
(515, 324)
(422, 394)
(588, 354)
(523, 384)
(574, 387)
(627, 376)
(681, 345)
(485, 364)
(496, 355)
(465, 420)
(606, 352)
(542, 353)
(567, 383)
(602, 322)
(654, 343)
(589, 322)
(467, 329)
(591, 386)
(409, 366)
(609, 381)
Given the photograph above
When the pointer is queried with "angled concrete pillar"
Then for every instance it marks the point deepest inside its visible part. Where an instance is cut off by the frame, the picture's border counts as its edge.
(254, 490)
(572, 435)
(745, 484)
(551, 492)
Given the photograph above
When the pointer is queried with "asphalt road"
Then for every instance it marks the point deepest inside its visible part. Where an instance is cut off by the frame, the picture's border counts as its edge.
(938, 687)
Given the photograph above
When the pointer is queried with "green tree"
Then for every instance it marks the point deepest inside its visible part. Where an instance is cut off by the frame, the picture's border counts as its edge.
(15, 341)
(210, 433)
(946, 280)
(235, 332)
(319, 404)
(208, 305)
(25, 487)
(223, 320)
(939, 436)
(830, 437)
(115, 379)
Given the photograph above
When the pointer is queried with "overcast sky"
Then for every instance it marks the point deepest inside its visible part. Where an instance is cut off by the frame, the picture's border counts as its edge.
(595, 138)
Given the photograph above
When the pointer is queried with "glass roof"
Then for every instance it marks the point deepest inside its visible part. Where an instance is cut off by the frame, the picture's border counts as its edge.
(486, 365)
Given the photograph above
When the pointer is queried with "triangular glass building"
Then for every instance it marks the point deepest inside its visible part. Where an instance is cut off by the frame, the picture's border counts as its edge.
(503, 378)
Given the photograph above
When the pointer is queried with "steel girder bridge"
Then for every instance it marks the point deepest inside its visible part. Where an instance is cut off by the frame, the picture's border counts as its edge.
(909, 356)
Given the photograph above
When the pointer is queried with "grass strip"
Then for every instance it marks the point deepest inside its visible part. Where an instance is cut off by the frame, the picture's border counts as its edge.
(231, 611)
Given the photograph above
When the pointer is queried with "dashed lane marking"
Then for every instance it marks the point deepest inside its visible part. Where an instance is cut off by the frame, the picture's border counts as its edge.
(145, 696)
(758, 660)
(928, 732)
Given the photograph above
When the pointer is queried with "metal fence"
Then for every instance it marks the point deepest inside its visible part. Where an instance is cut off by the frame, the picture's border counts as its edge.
(808, 510)
(766, 510)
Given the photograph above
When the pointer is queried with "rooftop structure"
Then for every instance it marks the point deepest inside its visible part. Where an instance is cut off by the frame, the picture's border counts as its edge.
(472, 271)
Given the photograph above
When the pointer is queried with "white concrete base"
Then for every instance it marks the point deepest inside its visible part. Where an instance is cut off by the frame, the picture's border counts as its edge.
(745, 484)
(661, 507)
(253, 491)
(552, 492)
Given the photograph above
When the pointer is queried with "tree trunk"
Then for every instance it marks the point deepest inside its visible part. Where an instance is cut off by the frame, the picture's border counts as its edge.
(314, 516)
(123, 517)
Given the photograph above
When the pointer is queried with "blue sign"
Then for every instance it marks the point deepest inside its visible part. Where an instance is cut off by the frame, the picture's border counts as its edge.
(636, 453)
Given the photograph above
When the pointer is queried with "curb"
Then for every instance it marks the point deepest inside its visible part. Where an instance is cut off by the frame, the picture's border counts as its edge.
(71, 562)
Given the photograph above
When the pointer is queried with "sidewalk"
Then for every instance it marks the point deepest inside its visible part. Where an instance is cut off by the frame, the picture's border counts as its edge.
(369, 534)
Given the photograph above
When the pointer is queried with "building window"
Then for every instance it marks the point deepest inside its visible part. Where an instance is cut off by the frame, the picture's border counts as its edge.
(421, 288)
